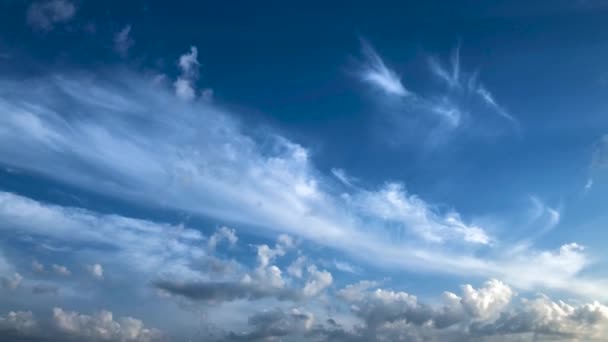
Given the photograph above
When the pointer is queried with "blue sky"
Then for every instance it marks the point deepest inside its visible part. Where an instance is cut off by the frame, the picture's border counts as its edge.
(190, 171)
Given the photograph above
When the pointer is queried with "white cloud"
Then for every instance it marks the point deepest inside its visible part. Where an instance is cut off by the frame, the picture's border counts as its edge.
(543, 214)
(44, 15)
(123, 41)
(197, 158)
(317, 281)
(37, 267)
(487, 301)
(222, 234)
(61, 270)
(462, 95)
(21, 321)
(394, 204)
(102, 326)
(96, 270)
(342, 176)
(11, 282)
(189, 67)
(296, 267)
(376, 73)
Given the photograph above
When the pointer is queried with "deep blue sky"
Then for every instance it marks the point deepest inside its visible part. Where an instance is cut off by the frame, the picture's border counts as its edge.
(235, 166)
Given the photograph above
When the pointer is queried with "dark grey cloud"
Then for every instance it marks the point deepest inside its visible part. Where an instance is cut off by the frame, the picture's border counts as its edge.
(227, 291)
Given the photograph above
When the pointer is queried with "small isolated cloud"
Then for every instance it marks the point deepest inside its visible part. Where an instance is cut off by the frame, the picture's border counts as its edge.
(43, 15)
(342, 176)
(222, 234)
(61, 270)
(11, 282)
(37, 267)
(374, 72)
(589, 184)
(123, 41)
(543, 215)
(189, 67)
(95, 270)
(345, 267)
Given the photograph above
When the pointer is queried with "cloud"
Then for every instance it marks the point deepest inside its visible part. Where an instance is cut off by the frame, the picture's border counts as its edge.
(189, 67)
(123, 41)
(218, 292)
(11, 282)
(374, 72)
(461, 96)
(223, 234)
(96, 270)
(544, 215)
(317, 281)
(43, 15)
(393, 203)
(42, 289)
(272, 324)
(102, 326)
(196, 157)
(61, 270)
(22, 322)
(342, 177)
(37, 267)
(599, 157)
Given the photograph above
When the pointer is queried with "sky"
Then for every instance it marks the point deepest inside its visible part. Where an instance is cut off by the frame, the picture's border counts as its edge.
(306, 171)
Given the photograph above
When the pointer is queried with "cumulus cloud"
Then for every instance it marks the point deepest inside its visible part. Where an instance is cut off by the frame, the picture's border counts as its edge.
(276, 324)
(37, 267)
(223, 234)
(22, 322)
(11, 282)
(45, 14)
(96, 270)
(317, 281)
(123, 41)
(189, 66)
(103, 326)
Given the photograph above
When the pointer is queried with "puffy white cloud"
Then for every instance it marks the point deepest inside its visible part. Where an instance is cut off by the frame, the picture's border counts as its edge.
(296, 267)
(44, 15)
(487, 301)
(317, 281)
(103, 326)
(222, 234)
(189, 66)
(96, 270)
(11, 282)
(37, 267)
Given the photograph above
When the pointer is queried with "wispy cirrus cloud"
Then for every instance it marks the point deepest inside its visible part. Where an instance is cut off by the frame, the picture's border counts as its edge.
(462, 93)
(196, 157)
(373, 71)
